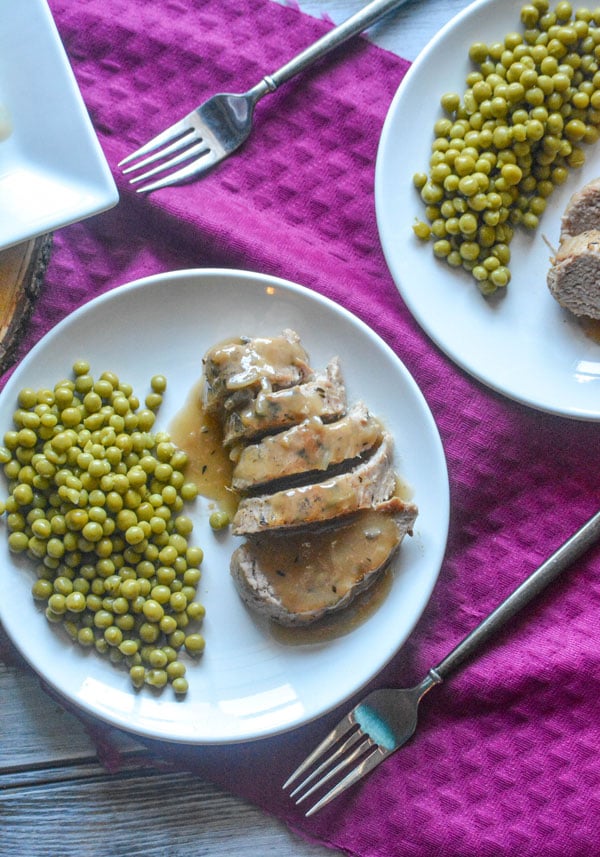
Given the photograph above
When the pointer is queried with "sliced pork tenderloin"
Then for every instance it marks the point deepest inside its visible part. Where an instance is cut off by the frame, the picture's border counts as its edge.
(369, 483)
(574, 278)
(583, 211)
(239, 368)
(308, 447)
(298, 579)
(324, 396)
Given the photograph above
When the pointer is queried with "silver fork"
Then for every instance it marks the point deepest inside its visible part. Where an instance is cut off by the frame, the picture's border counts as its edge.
(386, 719)
(218, 127)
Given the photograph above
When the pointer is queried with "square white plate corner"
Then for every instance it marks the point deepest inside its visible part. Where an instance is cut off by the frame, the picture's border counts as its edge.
(52, 169)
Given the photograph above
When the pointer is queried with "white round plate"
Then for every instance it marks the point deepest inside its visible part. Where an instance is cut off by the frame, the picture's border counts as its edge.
(523, 345)
(248, 684)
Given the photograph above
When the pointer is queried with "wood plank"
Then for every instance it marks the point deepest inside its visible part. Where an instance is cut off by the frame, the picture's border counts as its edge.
(42, 733)
(48, 769)
(145, 814)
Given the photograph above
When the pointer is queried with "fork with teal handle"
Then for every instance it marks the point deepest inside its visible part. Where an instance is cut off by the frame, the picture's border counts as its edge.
(386, 719)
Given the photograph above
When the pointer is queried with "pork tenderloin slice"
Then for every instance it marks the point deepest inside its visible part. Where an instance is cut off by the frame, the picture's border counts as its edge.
(574, 277)
(296, 580)
(322, 396)
(238, 368)
(583, 211)
(311, 446)
(369, 483)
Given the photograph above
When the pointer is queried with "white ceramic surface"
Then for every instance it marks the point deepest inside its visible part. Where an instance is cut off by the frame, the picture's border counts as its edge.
(247, 685)
(524, 345)
(52, 169)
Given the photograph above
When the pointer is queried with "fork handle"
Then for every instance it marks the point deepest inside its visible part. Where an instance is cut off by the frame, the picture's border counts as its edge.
(340, 34)
(570, 551)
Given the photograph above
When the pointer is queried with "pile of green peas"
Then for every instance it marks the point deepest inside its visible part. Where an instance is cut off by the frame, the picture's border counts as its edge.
(500, 150)
(96, 500)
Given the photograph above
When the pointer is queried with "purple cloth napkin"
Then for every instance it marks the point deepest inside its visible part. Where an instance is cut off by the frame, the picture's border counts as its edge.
(505, 760)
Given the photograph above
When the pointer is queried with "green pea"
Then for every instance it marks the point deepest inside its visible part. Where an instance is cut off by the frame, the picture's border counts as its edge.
(113, 548)
(18, 542)
(137, 675)
(440, 249)
(195, 610)
(156, 677)
(130, 589)
(168, 624)
(161, 594)
(76, 602)
(500, 277)
(113, 635)
(27, 438)
(194, 644)
(41, 528)
(152, 610)
(180, 685)
(175, 669)
(178, 602)
(92, 531)
(189, 491)
(450, 102)
(191, 577)
(176, 639)
(194, 556)
(153, 401)
(57, 603)
(85, 637)
(134, 535)
(469, 250)
(124, 621)
(42, 589)
(157, 659)
(219, 520)
(23, 494)
(103, 619)
(128, 647)
(27, 398)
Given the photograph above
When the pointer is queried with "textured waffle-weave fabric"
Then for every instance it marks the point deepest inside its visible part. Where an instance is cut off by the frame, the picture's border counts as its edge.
(505, 761)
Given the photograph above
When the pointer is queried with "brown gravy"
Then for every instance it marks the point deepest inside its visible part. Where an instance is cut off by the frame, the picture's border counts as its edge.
(210, 467)
(591, 327)
(257, 361)
(311, 570)
(338, 624)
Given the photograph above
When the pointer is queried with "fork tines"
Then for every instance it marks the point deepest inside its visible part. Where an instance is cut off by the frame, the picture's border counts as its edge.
(357, 748)
(182, 138)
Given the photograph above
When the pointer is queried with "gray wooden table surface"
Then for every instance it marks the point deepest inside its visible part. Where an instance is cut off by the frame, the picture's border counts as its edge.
(56, 800)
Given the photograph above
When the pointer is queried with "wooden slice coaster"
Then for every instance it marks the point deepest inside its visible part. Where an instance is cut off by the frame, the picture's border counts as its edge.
(22, 270)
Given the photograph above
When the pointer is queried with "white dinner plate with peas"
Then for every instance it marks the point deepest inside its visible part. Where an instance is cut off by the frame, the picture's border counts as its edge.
(251, 681)
(519, 341)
